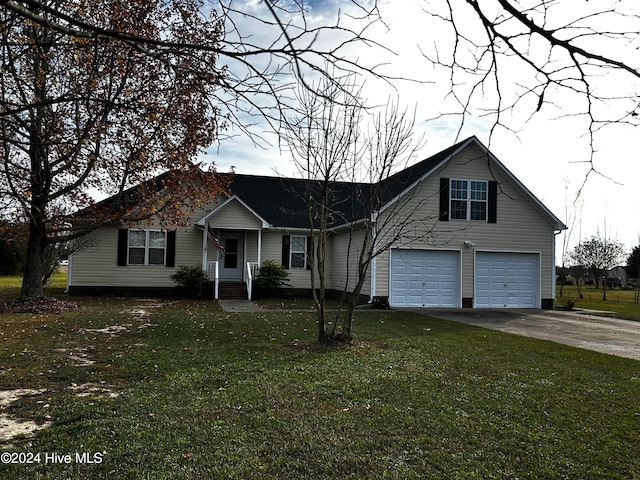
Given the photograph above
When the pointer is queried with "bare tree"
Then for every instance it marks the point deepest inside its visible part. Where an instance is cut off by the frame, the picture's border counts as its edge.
(510, 58)
(598, 254)
(573, 213)
(324, 138)
(349, 170)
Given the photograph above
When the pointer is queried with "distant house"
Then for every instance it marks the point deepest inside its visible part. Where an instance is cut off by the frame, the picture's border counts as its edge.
(491, 241)
(616, 277)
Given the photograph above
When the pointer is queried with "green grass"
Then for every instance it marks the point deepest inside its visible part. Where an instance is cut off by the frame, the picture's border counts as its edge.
(10, 285)
(619, 301)
(202, 393)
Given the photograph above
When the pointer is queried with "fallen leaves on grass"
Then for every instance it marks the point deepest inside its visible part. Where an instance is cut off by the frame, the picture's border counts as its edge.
(38, 306)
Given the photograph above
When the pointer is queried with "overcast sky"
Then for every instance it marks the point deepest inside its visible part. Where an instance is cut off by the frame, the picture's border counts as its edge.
(547, 152)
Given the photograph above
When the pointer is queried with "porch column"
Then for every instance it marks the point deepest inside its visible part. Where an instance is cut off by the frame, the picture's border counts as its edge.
(259, 248)
(204, 247)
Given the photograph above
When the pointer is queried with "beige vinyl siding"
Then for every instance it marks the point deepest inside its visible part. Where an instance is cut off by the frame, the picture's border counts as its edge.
(272, 250)
(344, 261)
(96, 266)
(234, 216)
(520, 226)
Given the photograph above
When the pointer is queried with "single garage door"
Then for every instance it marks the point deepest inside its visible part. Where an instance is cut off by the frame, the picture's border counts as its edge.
(507, 280)
(425, 278)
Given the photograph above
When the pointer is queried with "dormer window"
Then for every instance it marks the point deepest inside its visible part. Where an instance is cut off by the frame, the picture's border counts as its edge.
(468, 200)
(471, 200)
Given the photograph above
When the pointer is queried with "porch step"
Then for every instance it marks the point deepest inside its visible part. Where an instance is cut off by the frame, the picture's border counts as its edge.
(232, 291)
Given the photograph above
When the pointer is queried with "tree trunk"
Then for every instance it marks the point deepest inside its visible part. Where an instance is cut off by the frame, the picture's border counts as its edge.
(32, 279)
(40, 180)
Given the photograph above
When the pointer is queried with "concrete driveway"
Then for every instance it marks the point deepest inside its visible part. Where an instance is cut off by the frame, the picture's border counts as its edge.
(583, 330)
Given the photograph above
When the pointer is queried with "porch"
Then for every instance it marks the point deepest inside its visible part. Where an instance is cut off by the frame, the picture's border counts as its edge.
(231, 248)
(232, 289)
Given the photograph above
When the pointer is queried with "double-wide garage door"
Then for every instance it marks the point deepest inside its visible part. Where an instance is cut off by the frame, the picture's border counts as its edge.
(506, 280)
(432, 278)
(425, 278)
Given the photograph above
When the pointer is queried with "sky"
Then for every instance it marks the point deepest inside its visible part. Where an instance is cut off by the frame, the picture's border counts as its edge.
(547, 151)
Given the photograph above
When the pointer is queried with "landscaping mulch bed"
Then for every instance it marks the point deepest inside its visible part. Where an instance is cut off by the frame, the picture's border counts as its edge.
(38, 306)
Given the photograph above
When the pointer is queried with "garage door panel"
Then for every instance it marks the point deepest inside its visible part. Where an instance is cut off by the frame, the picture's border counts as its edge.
(506, 280)
(416, 270)
(414, 300)
(449, 272)
(431, 278)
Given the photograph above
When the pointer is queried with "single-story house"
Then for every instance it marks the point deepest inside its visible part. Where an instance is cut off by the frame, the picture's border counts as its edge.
(616, 277)
(478, 238)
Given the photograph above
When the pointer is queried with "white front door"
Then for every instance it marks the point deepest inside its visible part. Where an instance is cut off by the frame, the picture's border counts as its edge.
(232, 259)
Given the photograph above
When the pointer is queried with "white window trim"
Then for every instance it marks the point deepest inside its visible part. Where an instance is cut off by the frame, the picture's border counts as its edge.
(469, 200)
(291, 252)
(146, 247)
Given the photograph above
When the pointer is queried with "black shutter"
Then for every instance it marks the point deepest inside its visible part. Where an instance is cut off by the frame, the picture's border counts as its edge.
(309, 253)
(123, 240)
(493, 202)
(171, 249)
(444, 199)
(286, 246)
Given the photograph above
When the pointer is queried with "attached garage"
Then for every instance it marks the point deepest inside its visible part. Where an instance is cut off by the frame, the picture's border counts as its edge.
(507, 280)
(425, 278)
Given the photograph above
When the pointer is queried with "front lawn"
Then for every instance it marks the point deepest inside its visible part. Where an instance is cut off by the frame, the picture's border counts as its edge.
(183, 390)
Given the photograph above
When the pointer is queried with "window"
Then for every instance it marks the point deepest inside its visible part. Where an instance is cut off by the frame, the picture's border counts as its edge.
(147, 247)
(231, 253)
(468, 200)
(298, 252)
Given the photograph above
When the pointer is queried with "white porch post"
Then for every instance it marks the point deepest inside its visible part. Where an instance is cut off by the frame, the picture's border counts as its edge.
(259, 248)
(204, 247)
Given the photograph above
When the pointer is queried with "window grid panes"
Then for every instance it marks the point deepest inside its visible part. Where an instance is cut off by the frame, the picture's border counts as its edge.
(147, 247)
(298, 252)
(469, 199)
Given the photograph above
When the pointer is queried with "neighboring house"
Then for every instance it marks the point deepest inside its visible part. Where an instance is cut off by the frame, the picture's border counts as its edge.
(616, 277)
(491, 242)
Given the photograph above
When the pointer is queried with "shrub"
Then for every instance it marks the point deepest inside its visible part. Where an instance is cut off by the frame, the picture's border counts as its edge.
(191, 278)
(381, 302)
(272, 279)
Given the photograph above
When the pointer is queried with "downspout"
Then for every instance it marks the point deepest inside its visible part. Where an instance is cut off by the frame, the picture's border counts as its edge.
(553, 270)
(374, 270)
(69, 271)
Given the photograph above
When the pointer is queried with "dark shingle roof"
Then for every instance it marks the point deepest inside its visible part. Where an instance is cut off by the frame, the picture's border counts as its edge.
(282, 201)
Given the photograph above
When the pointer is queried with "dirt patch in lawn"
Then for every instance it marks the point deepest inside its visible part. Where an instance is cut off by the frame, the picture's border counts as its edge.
(78, 356)
(10, 427)
(139, 315)
(93, 389)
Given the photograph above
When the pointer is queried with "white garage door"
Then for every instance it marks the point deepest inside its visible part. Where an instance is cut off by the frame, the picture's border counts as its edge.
(425, 278)
(507, 280)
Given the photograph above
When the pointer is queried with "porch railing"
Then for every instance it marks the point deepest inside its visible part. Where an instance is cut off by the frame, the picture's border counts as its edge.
(252, 272)
(212, 274)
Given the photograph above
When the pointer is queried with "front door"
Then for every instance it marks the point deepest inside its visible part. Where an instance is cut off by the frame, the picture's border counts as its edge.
(231, 259)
